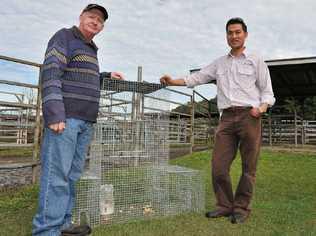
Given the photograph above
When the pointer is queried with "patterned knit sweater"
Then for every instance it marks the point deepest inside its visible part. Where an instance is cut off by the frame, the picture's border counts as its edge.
(70, 78)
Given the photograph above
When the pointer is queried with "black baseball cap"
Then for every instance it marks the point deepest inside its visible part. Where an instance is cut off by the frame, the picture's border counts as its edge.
(100, 8)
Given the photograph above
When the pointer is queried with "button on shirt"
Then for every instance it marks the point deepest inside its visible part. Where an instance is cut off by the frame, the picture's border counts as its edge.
(241, 81)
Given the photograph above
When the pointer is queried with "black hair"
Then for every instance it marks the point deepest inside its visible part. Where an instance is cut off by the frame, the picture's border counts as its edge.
(236, 20)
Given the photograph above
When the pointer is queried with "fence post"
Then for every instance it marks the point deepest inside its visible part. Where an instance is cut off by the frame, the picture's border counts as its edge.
(139, 97)
(270, 128)
(303, 132)
(192, 122)
(37, 129)
(295, 128)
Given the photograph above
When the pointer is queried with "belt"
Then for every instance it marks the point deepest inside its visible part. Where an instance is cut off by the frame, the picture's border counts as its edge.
(237, 108)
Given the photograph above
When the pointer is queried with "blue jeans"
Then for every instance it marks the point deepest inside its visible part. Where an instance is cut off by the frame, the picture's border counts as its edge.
(63, 159)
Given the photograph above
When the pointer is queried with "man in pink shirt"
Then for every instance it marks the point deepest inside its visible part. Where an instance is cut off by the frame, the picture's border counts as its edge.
(244, 92)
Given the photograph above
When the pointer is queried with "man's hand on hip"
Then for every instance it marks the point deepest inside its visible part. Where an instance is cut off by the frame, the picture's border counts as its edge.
(258, 111)
(57, 127)
(255, 112)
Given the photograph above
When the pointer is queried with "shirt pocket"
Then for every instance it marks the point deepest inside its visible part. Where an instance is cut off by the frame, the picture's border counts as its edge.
(222, 80)
(220, 74)
(246, 76)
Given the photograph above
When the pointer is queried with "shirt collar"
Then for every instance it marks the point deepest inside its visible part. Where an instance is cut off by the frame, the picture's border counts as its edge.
(244, 53)
(79, 35)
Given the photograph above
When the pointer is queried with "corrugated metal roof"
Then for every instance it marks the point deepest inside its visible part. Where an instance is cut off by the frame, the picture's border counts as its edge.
(291, 61)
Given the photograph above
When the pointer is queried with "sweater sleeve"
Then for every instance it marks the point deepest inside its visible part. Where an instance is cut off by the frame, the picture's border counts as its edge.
(52, 71)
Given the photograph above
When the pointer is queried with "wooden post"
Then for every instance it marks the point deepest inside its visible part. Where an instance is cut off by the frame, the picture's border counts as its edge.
(295, 127)
(139, 135)
(133, 115)
(270, 129)
(303, 132)
(192, 123)
(180, 128)
(209, 132)
(139, 96)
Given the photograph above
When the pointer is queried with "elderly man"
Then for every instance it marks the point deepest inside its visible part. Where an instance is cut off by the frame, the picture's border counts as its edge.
(244, 93)
(70, 83)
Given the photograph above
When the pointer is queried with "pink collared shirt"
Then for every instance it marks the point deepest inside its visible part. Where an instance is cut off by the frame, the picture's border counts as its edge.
(241, 81)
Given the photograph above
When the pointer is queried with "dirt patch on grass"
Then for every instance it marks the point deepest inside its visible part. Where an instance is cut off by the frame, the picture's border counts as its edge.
(292, 149)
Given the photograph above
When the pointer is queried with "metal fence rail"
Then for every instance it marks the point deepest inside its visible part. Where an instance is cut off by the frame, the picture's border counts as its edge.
(20, 119)
(286, 129)
(20, 124)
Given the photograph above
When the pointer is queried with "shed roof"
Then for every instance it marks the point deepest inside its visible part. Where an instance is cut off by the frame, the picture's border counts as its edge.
(294, 77)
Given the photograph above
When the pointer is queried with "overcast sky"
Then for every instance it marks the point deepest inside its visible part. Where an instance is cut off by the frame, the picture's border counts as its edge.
(163, 36)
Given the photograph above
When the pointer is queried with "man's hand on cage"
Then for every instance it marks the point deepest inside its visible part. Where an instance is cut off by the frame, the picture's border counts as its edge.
(117, 75)
(165, 80)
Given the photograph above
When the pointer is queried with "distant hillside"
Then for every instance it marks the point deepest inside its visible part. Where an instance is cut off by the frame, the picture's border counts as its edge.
(200, 107)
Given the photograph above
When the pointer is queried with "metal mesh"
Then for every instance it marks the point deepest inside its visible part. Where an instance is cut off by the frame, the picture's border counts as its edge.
(177, 189)
(131, 86)
(127, 175)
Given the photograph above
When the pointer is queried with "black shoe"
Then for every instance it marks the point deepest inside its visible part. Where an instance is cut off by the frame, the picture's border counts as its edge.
(77, 230)
(217, 214)
(238, 218)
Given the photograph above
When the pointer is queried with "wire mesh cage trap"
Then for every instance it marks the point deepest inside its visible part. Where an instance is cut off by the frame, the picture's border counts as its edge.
(127, 175)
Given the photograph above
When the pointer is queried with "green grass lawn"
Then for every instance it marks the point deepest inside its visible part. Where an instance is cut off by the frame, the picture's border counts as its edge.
(284, 203)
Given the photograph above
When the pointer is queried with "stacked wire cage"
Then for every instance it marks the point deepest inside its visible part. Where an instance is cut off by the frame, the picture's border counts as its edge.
(127, 175)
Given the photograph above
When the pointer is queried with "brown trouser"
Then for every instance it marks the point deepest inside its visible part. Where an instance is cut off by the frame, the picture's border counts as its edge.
(237, 129)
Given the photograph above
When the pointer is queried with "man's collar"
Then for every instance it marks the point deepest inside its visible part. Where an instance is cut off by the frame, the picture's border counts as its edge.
(79, 35)
(244, 53)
